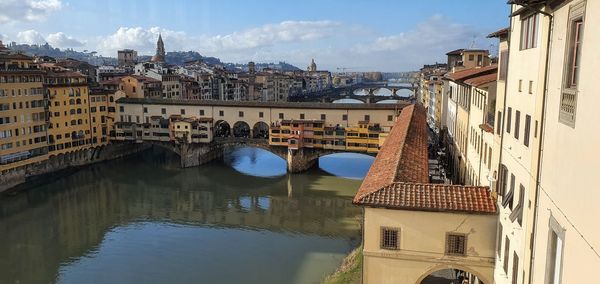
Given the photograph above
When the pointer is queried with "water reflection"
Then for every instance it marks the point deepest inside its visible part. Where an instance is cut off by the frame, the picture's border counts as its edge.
(142, 219)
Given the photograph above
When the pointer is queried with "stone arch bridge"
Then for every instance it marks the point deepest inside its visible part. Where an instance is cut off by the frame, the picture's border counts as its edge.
(333, 94)
(195, 154)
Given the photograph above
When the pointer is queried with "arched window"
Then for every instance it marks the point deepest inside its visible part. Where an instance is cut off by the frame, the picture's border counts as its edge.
(73, 122)
(72, 101)
(79, 121)
(72, 111)
(78, 101)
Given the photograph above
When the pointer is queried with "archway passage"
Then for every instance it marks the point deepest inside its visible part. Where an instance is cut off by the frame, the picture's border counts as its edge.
(222, 129)
(260, 130)
(451, 276)
(241, 129)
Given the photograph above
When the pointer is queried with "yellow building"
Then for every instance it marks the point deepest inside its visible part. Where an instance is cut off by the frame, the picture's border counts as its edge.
(68, 106)
(22, 111)
(102, 114)
(136, 86)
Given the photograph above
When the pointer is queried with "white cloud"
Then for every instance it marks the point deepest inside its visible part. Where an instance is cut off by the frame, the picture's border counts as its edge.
(266, 35)
(12, 11)
(143, 40)
(30, 37)
(62, 40)
(427, 42)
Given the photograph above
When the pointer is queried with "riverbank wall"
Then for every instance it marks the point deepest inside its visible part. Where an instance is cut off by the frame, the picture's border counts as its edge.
(63, 163)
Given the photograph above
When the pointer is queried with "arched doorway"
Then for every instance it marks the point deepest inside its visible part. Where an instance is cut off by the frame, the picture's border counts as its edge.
(260, 130)
(451, 276)
(222, 129)
(241, 129)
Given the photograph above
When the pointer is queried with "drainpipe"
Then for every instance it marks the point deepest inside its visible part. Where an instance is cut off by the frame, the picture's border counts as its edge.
(541, 145)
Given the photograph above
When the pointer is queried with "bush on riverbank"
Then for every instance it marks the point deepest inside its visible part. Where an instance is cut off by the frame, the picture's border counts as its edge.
(350, 271)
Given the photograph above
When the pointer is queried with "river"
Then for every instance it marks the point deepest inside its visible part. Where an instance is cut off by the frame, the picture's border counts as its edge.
(141, 219)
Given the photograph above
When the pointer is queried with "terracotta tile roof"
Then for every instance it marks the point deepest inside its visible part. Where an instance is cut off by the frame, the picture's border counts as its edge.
(399, 176)
(487, 128)
(433, 197)
(499, 33)
(471, 72)
(403, 156)
(483, 79)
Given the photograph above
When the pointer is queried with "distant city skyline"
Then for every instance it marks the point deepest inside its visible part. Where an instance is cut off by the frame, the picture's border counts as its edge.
(357, 35)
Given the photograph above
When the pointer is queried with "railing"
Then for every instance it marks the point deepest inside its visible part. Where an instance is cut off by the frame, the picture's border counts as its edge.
(568, 105)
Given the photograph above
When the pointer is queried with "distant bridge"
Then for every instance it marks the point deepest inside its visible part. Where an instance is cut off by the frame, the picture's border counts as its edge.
(348, 92)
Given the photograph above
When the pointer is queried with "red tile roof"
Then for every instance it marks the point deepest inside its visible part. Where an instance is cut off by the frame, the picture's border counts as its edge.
(403, 156)
(472, 72)
(433, 197)
(399, 176)
(499, 33)
(482, 80)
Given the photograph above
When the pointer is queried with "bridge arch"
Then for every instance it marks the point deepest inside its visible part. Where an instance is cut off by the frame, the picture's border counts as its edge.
(241, 129)
(222, 128)
(260, 130)
(429, 278)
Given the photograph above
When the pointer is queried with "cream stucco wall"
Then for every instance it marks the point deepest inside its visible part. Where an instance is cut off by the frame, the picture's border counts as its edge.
(422, 245)
(568, 188)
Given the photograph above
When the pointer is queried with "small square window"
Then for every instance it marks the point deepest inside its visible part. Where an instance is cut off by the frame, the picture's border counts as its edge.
(261, 114)
(367, 117)
(390, 117)
(390, 238)
(201, 112)
(163, 110)
(182, 111)
(221, 113)
(301, 116)
(241, 114)
(280, 115)
(456, 244)
(145, 110)
(344, 117)
(323, 116)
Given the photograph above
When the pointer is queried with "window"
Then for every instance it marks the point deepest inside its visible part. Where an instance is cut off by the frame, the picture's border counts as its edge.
(280, 115)
(390, 117)
(506, 256)
(520, 85)
(261, 114)
(456, 244)
(201, 112)
(555, 252)
(367, 117)
(145, 110)
(499, 122)
(517, 123)
(568, 98)
(389, 238)
(182, 111)
(515, 268)
(508, 119)
(344, 117)
(323, 116)
(530, 87)
(163, 110)
(471, 57)
(499, 240)
(301, 116)
(241, 114)
(517, 213)
(527, 130)
(535, 129)
(529, 33)
(121, 108)
(508, 198)
(221, 113)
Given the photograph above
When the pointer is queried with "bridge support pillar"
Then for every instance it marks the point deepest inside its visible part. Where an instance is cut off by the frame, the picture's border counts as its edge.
(302, 159)
(192, 155)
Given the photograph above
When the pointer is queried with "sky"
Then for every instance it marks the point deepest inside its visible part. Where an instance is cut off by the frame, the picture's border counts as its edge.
(353, 35)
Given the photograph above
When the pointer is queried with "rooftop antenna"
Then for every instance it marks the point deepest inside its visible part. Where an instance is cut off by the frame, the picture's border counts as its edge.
(472, 43)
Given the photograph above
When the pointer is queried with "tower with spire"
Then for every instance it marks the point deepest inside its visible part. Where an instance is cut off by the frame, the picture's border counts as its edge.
(313, 66)
(160, 51)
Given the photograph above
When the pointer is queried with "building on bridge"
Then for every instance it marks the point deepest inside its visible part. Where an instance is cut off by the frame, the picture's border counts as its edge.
(297, 132)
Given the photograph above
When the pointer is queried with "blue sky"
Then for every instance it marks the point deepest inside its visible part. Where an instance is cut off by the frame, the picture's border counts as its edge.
(360, 35)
